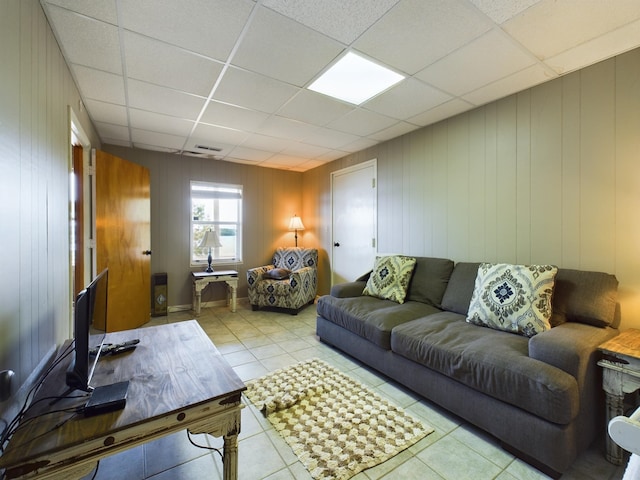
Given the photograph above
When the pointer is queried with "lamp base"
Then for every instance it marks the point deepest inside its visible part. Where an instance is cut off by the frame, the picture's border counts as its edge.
(209, 260)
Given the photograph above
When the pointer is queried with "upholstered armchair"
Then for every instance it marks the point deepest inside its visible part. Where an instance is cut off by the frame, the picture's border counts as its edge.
(289, 283)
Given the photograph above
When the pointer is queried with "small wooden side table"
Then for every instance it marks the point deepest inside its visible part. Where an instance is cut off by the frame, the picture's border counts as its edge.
(202, 279)
(620, 375)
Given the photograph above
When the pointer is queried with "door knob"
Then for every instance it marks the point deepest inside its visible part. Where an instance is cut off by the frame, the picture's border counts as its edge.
(146, 252)
(337, 244)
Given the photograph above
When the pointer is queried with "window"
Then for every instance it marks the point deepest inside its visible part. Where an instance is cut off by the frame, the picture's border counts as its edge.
(216, 207)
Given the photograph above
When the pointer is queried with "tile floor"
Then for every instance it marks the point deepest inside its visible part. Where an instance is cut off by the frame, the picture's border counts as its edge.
(255, 343)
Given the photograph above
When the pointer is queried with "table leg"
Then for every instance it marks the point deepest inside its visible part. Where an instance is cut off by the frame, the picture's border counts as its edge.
(232, 288)
(614, 407)
(230, 457)
(197, 297)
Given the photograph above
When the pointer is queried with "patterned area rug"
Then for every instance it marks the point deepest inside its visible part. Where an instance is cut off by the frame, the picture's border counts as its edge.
(335, 425)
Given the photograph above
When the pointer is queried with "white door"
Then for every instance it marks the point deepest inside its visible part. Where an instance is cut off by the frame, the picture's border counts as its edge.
(354, 214)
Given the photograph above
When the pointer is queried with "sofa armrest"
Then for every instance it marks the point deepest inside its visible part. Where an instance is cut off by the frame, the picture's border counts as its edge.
(255, 274)
(569, 346)
(349, 289)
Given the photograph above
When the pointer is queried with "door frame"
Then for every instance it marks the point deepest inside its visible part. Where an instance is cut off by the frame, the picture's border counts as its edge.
(78, 136)
(369, 163)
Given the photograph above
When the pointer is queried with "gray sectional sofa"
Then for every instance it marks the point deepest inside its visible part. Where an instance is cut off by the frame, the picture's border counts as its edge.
(540, 396)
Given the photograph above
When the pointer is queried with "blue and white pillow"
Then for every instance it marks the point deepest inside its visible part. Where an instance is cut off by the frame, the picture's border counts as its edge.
(513, 298)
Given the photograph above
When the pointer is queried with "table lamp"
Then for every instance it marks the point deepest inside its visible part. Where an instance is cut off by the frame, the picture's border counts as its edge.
(210, 240)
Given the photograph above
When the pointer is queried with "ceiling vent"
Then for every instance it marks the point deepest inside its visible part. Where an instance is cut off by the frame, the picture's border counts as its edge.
(206, 147)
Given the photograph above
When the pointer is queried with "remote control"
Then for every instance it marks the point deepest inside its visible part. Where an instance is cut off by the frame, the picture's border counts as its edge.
(122, 349)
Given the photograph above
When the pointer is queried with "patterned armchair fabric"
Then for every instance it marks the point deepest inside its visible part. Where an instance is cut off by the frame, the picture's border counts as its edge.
(291, 293)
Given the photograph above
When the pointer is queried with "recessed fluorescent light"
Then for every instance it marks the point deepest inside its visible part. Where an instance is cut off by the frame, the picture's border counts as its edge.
(355, 79)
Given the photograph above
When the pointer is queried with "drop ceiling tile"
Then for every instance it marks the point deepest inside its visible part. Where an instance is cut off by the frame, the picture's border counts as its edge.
(281, 127)
(620, 40)
(250, 90)
(117, 132)
(157, 139)
(446, 110)
(156, 122)
(234, 117)
(263, 142)
(106, 112)
(280, 159)
(344, 21)
(332, 155)
(99, 85)
(162, 64)
(212, 135)
(430, 30)
(326, 137)
(298, 149)
(362, 122)
(502, 10)
(153, 98)
(521, 80)
(104, 10)
(309, 164)
(86, 41)
(251, 154)
(551, 27)
(407, 99)
(283, 49)
(394, 131)
(209, 27)
(115, 141)
(358, 145)
(314, 108)
(485, 60)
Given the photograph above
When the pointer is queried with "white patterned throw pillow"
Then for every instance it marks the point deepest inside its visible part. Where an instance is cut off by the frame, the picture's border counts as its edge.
(513, 298)
(390, 278)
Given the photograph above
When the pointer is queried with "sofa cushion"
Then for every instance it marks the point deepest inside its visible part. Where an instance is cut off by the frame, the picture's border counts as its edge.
(429, 280)
(493, 362)
(276, 274)
(459, 290)
(585, 297)
(390, 278)
(513, 298)
(370, 317)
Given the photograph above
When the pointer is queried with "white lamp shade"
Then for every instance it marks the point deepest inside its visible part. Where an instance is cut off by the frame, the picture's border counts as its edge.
(295, 223)
(210, 240)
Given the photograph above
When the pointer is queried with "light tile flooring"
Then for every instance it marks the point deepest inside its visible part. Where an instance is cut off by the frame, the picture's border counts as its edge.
(255, 343)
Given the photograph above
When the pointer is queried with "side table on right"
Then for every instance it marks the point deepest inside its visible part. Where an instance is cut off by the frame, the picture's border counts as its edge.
(620, 375)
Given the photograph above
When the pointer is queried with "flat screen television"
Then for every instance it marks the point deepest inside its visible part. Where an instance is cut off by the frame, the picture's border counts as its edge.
(89, 329)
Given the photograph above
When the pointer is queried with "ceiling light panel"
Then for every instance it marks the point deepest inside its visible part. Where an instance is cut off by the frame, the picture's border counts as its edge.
(355, 79)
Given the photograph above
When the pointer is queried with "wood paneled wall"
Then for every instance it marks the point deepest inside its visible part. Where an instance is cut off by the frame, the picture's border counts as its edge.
(548, 175)
(271, 197)
(36, 89)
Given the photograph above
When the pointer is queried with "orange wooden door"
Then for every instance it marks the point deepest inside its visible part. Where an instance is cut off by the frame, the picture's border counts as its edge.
(78, 221)
(123, 240)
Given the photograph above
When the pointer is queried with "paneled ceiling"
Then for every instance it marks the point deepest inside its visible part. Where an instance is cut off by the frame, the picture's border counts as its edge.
(227, 79)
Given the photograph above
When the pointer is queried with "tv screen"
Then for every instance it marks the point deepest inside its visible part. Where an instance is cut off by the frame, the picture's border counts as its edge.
(89, 329)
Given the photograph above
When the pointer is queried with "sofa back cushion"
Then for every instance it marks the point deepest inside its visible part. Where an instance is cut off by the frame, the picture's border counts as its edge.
(295, 258)
(459, 290)
(585, 297)
(429, 280)
(578, 295)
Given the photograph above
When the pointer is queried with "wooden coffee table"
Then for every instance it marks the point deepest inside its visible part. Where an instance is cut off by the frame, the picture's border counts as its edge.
(178, 381)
